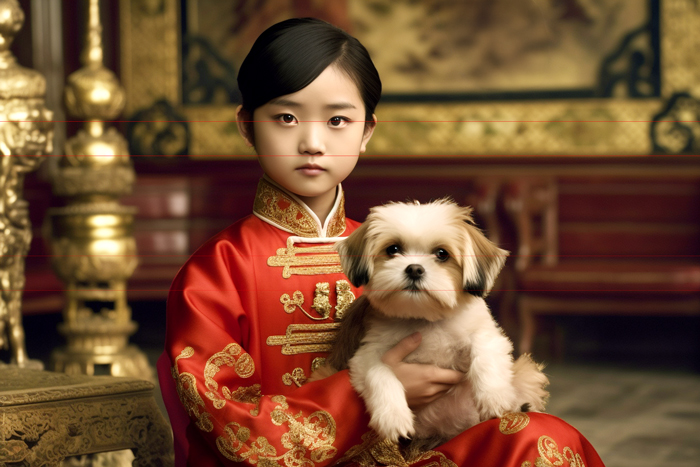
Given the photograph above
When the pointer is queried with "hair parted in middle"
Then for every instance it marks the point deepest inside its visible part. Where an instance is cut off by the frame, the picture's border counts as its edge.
(291, 54)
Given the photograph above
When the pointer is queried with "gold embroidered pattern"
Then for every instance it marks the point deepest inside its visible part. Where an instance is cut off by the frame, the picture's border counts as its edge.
(291, 303)
(344, 297)
(186, 385)
(551, 457)
(233, 440)
(247, 395)
(375, 451)
(306, 261)
(279, 207)
(360, 454)
(305, 338)
(317, 363)
(295, 377)
(322, 303)
(298, 377)
(513, 422)
(441, 461)
(234, 356)
(309, 440)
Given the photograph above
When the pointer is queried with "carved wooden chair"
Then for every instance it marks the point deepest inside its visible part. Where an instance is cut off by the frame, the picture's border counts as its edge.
(485, 198)
(548, 284)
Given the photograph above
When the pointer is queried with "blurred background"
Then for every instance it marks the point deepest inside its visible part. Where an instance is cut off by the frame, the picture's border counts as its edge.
(571, 126)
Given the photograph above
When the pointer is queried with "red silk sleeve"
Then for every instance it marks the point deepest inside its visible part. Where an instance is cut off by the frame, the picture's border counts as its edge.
(215, 349)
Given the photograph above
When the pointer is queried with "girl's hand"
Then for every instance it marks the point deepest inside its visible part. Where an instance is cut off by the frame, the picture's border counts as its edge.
(422, 383)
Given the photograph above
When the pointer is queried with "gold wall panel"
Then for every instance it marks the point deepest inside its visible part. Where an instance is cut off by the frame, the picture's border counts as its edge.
(151, 67)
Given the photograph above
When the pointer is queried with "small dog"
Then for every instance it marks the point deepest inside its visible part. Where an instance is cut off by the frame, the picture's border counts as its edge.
(426, 268)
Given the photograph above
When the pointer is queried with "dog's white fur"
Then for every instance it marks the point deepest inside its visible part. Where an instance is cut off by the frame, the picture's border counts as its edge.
(446, 306)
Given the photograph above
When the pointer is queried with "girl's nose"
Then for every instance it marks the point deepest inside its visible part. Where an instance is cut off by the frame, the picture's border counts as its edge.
(312, 141)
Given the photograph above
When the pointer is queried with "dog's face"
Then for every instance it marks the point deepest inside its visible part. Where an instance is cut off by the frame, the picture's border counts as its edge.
(420, 260)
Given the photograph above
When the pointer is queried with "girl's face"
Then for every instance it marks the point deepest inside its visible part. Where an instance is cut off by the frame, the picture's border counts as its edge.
(309, 141)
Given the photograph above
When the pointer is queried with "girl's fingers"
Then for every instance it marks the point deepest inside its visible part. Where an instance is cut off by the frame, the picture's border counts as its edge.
(447, 377)
(400, 351)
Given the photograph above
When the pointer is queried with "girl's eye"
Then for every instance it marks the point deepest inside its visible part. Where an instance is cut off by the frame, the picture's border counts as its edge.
(338, 121)
(287, 119)
(393, 250)
(442, 255)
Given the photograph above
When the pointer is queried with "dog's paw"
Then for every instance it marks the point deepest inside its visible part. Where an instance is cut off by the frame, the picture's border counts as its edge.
(495, 401)
(393, 425)
(487, 413)
(495, 407)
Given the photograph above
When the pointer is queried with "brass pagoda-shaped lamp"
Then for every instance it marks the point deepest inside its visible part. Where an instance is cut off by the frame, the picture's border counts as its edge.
(92, 243)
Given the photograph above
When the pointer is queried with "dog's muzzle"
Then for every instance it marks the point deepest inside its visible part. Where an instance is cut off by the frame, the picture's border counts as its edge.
(415, 271)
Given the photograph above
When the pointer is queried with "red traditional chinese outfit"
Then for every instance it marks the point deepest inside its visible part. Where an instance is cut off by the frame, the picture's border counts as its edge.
(250, 315)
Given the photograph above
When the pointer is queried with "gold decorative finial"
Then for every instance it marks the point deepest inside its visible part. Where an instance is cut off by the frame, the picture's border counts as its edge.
(93, 53)
(93, 93)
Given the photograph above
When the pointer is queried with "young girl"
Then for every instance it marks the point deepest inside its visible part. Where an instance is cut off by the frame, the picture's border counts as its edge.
(251, 314)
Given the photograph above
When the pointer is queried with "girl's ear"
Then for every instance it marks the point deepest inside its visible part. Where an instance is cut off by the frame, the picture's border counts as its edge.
(369, 130)
(244, 120)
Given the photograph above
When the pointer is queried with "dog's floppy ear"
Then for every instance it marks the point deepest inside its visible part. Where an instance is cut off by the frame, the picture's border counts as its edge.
(481, 271)
(354, 256)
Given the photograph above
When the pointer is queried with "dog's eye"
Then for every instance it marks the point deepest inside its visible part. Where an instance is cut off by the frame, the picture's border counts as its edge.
(393, 250)
(442, 255)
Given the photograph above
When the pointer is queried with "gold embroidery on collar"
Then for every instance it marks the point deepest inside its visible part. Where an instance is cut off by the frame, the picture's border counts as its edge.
(513, 422)
(274, 204)
(308, 439)
(307, 261)
(186, 385)
(305, 338)
(336, 226)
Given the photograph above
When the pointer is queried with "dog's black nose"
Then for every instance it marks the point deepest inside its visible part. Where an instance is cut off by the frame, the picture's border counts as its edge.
(415, 271)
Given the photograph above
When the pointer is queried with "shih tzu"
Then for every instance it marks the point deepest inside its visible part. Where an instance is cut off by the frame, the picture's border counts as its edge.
(426, 268)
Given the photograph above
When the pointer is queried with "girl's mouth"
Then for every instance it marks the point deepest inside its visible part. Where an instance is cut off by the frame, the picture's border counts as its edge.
(311, 169)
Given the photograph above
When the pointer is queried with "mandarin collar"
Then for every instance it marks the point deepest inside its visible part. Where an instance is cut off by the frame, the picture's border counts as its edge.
(275, 205)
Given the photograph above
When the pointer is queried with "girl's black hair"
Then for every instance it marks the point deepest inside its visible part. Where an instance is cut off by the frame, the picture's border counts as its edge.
(289, 55)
